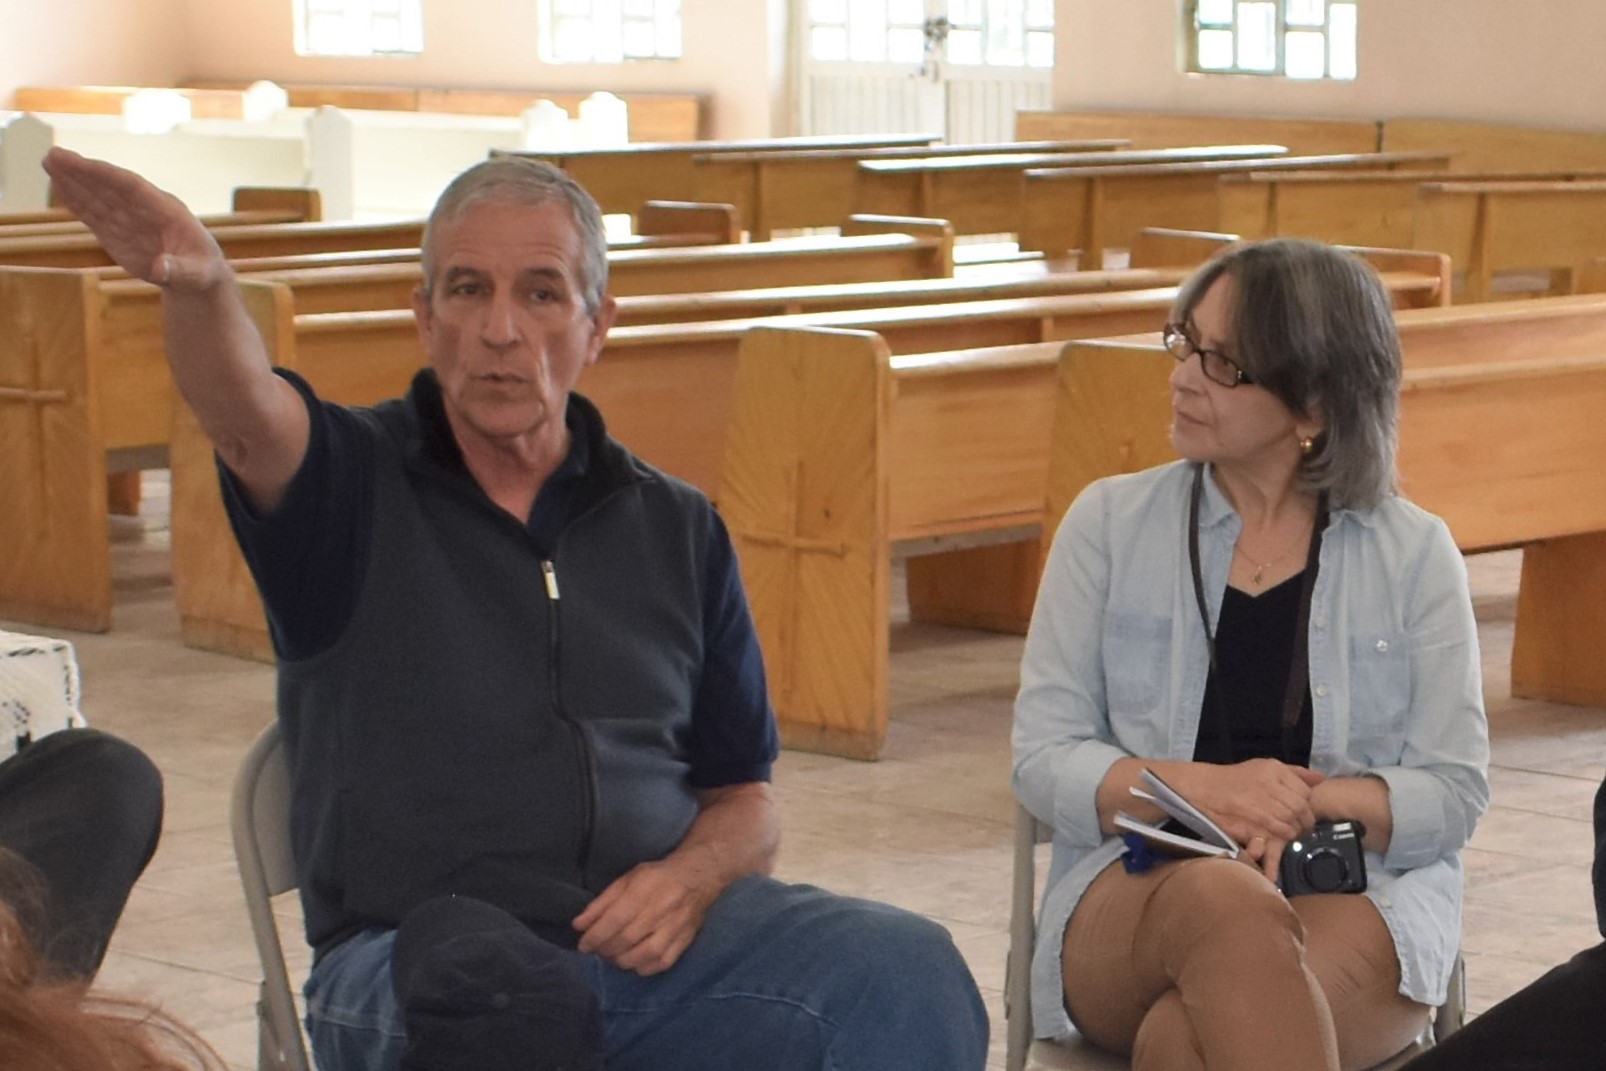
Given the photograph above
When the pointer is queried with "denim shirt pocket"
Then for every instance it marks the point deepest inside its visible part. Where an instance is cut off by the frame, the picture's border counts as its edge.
(1137, 649)
(1380, 695)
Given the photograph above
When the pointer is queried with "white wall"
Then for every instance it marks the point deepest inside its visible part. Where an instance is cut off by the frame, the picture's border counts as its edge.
(1534, 63)
(84, 42)
(729, 53)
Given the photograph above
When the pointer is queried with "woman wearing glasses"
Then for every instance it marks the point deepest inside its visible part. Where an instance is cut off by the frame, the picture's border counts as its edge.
(1284, 640)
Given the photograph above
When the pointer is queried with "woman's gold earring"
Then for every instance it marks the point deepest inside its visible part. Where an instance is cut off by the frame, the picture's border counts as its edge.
(1306, 445)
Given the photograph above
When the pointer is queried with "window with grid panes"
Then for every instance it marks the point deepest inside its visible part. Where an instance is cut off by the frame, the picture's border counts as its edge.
(997, 33)
(609, 31)
(1305, 39)
(359, 27)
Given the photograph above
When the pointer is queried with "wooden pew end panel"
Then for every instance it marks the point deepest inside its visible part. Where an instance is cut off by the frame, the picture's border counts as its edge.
(803, 495)
(1561, 625)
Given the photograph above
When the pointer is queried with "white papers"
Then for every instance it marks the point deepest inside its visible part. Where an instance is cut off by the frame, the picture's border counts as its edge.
(1212, 840)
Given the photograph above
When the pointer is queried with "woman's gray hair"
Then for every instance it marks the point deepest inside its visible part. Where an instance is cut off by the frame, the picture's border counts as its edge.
(521, 180)
(1314, 325)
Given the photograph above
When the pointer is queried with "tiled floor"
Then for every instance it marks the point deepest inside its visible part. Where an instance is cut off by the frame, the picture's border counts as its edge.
(928, 827)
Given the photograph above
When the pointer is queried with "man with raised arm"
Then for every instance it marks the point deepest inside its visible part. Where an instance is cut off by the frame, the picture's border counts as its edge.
(523, 700)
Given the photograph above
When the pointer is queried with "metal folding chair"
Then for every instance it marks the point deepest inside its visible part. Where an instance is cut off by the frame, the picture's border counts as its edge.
(260, 818)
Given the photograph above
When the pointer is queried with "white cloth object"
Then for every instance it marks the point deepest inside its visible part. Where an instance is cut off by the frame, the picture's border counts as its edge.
(39, 689)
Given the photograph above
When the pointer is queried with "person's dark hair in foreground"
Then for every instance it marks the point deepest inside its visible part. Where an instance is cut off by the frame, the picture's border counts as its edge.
(52, 1023)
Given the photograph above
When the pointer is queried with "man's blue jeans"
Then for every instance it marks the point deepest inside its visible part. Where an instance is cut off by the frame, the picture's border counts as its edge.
(780, 978)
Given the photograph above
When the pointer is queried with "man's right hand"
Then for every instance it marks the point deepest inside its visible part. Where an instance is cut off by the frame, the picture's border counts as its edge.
(148, 232)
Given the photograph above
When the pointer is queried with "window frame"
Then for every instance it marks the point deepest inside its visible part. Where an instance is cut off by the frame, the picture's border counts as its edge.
(670, 11)
(1192, 29)
(408, 11)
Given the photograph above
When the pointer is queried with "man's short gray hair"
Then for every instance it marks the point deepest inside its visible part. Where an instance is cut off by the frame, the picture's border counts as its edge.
(1314, 325)
(521, 180)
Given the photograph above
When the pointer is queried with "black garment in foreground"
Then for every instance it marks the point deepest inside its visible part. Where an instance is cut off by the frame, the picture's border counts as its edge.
(85, 810)
(1555, 1023)
(480, 992)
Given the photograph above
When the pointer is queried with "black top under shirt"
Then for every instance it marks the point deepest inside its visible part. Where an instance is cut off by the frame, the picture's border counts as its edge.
(1254, 655)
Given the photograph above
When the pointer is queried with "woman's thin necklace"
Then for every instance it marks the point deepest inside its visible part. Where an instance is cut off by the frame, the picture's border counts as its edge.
(1261, 567)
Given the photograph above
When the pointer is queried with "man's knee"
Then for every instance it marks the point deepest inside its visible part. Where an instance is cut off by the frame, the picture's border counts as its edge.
(128, 786)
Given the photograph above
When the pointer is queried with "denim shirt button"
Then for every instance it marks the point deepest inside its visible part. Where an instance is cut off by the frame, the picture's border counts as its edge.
(1321, 691)
(1382, 646)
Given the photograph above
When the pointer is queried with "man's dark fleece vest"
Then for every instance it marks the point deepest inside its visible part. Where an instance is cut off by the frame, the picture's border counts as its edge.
(494, 722)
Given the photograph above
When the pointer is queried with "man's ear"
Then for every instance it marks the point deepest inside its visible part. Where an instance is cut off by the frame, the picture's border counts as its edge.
(423, 314)
(601, 324)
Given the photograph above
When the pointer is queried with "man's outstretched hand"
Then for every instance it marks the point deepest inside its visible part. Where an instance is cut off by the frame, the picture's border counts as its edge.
(148, 232)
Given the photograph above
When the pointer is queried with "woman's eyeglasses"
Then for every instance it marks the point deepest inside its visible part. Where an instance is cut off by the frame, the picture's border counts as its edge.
(1217, 366)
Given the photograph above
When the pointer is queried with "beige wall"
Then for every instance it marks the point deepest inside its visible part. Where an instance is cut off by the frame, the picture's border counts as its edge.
(728, 53)
(1536, 64)
(1494, 60)
(105, 42)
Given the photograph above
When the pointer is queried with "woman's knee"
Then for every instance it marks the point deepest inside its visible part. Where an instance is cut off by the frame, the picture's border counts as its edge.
(1222, 900)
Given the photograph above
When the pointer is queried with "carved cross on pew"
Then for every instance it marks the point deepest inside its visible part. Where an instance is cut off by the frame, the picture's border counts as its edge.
(34, 397)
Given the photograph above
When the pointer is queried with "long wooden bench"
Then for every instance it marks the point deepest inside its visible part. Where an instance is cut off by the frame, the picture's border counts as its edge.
(621, 179)
(982, 194)
(238, 242)
(1154, 130)
(250, 205)
(1102, 208)
(205, 103)
(843, 455)
(797, 189)
(1500, 434)
(1494, 227)
(1350, 208)
(652, 116)
(667, 391)
(86, 352)
(1484, 147)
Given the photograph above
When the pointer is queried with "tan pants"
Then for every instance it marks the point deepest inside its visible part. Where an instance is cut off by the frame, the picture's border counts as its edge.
(1203, 964)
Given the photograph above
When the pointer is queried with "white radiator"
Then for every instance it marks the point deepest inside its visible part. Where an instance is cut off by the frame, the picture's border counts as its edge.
(983, 110)
(977, 109)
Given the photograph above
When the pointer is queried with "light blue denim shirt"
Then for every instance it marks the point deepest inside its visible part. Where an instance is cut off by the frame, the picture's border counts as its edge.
(1115, 666)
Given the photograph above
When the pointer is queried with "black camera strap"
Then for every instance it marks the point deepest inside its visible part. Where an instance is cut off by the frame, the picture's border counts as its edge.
(1299, 669)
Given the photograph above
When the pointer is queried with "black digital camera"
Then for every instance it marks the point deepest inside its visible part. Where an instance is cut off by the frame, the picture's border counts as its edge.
(1328, 860)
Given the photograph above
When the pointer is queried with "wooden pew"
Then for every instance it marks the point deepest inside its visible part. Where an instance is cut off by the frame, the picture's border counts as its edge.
(212, 103)
(251, 204)
(653, 116)
(621, 179)
(843, 455)
(93, 348)
(1494, 227)
(1351, 208)
(1102, 208)
(238, 242)
(1490, 147)
(1152, 130)
(1499, 435)
(982, 194)
(666, 390)
(800, 188)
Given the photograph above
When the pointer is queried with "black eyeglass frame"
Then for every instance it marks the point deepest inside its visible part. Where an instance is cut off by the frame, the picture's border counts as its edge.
(1181, 345)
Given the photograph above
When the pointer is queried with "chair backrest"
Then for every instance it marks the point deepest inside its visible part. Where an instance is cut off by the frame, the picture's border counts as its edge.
(260, 819)
(1029, 833)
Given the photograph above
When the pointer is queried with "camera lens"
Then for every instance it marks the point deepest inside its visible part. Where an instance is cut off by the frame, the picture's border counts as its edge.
(1325, 870)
